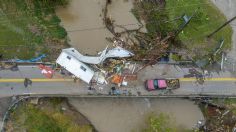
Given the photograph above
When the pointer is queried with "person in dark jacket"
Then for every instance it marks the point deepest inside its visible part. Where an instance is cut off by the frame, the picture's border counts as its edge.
(27, 82)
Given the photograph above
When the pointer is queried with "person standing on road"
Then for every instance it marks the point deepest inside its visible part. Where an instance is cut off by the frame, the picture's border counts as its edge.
(30, 82)
(27, 82)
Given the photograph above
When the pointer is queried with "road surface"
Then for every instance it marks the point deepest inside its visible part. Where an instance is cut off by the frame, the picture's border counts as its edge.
(11, 83)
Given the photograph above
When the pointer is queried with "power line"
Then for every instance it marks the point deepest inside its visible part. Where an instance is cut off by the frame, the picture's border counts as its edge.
(145, 10)
(27, 18)
(190, 39)
(98, 28)
(222, 26)
(102, 27)
(197, 37)
(53, 7)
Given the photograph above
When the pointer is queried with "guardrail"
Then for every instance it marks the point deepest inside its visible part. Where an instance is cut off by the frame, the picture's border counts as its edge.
(132, 96)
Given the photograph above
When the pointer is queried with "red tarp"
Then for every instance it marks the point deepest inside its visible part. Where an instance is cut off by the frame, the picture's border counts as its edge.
(46, 71)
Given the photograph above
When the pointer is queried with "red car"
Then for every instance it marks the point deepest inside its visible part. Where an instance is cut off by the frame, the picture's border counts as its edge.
(158, 84)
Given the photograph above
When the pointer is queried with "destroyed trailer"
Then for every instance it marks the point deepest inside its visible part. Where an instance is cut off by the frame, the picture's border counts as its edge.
(160, 84)
(79, 65)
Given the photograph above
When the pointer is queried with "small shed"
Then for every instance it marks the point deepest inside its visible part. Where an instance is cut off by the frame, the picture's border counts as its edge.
(70, 61)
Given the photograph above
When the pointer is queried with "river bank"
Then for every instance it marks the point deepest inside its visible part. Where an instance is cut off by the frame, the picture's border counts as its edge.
(126, 114)
(46, 114)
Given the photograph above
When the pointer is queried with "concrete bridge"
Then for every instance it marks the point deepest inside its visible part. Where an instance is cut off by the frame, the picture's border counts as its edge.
(11, 84)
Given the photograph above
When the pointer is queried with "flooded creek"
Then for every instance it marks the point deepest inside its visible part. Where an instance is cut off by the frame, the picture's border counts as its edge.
(120, 12)
(83, 20)
(127, 114)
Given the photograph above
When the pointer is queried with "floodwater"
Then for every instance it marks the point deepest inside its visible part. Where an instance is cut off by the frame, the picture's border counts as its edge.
(120, 12)
(129, 114)
(83, 20)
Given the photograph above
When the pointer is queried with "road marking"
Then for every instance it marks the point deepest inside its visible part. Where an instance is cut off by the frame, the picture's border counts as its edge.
(208, 79)
(36, 80)
(70, 80)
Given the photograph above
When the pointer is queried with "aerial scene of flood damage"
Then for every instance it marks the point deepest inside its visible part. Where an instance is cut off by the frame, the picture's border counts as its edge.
(117, 65)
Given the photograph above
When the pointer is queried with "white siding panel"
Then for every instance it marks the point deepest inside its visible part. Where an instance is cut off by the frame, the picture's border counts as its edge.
(73, 66)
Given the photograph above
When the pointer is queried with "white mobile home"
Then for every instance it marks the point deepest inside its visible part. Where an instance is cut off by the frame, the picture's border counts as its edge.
(117, 52)
(69, 60)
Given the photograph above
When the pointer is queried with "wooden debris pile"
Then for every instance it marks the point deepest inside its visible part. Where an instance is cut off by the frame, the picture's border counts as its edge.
(147, 49)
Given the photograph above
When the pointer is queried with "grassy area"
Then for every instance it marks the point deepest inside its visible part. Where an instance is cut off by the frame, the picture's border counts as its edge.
(207, 19)
(162, 123)
(230, 103)
(168, 18)
(45, 118)
(29, 28)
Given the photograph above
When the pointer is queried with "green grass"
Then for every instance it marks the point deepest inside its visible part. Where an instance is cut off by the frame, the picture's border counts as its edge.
(162, 123)
(193, 38)
(207, 19)
(8, 42)
(226, 101)
(30, 118)
(28, 27)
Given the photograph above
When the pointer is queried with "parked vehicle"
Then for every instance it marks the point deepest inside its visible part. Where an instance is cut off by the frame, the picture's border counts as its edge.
(158, 84)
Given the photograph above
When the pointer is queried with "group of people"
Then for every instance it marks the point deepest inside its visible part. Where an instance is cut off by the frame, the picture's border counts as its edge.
(200, 76)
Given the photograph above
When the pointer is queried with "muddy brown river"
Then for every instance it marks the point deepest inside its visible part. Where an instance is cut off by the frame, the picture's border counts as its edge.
(83, 20)
(129, 114)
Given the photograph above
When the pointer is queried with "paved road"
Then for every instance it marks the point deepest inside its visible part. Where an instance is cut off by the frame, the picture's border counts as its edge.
(11, 83)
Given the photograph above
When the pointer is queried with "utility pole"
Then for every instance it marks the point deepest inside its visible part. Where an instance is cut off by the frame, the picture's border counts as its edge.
(222, 61)
(218, 29)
